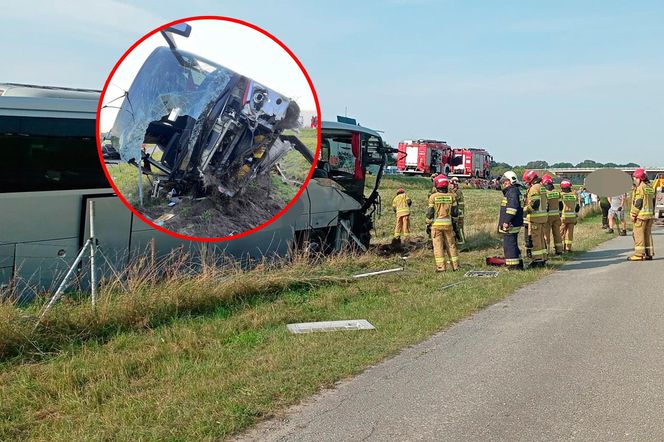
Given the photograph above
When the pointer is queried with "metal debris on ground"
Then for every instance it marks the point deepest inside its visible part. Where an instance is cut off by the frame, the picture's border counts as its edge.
(379, 272)
(452, 285)
(327, 326)
(481, 274)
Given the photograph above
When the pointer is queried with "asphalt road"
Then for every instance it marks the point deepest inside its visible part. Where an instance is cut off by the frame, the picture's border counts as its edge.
(577, 355)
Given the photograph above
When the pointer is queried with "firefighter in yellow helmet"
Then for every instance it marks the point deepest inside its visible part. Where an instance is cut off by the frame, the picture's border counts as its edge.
(537, 210)
(568, 214)
(441, 215)
(553, 224)
(643, 214)
(456, 189)
(401, 206)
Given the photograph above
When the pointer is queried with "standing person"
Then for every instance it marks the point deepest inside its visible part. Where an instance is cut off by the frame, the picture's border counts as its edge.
(569, 211)
(537, 210)
(643, 214)
(617, 214)
(511, 220)
(456, 189)
(605, 205)
(553, 224)
(401, 206)
(527, 238)
(442, 213)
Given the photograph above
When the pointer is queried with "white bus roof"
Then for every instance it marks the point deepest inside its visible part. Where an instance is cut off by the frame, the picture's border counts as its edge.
(45, 101)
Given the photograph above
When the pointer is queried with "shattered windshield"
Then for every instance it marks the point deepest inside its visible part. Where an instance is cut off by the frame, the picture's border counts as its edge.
(170, 84)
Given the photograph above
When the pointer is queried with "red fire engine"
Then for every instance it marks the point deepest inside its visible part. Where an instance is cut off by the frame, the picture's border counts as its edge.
(471, 162)
(424, 157)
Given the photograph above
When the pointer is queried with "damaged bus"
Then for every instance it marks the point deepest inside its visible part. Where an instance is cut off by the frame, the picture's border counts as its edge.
(51, 169)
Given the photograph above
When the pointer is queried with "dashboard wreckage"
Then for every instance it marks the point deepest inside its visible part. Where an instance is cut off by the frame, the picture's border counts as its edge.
(211, 128)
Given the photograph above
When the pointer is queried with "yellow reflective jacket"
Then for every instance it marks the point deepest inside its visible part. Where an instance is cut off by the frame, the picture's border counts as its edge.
(443, 207)
(401, 204)
(553, 200)
(462, 205)
(643, 202)
(570, 207)
(537, 213)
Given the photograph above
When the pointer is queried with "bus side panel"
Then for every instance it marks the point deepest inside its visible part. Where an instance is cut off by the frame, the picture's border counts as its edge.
(41, 265)
(36, 216)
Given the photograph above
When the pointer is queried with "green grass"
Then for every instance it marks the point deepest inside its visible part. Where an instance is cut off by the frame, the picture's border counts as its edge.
(482, 208)
(204, 357)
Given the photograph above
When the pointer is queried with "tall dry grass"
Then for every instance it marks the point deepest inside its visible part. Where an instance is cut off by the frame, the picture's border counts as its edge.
(147, 294)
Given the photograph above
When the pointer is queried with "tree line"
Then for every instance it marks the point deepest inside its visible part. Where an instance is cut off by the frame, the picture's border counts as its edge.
(497, 169)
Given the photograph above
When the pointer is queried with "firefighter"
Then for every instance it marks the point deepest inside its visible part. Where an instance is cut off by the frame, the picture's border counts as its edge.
(643, 214)
(511, 220)
(456, 189)
(442, 214)
(568, 214)
(401, 206)
(553, 224)
(537, 211)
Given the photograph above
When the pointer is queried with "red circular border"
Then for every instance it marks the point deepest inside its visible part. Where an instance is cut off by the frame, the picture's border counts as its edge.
(318, 129)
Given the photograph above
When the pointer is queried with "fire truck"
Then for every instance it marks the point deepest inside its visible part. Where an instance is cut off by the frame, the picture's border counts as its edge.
(424, 157)
(472, 163)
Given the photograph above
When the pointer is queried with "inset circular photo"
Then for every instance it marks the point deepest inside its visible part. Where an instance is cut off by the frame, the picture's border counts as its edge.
(208, 128)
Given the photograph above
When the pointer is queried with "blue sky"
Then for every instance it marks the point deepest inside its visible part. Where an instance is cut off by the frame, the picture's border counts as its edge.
(559, 81)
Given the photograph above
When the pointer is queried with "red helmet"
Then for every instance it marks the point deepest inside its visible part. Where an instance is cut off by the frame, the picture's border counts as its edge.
(441, 181)
(640, 173)
(546, 179)
(566, 184)
(400, 191)
(529, 176)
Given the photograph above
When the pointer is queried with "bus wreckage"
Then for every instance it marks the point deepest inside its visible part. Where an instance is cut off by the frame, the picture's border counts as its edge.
(211, 128)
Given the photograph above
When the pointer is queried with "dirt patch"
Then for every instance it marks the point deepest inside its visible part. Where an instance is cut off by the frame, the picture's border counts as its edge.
(217, 215)
(402, 248)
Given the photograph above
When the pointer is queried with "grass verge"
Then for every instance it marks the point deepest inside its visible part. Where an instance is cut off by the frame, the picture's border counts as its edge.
(210, 373)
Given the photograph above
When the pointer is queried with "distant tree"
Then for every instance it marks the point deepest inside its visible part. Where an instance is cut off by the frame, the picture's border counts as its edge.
(498, 169)
(589, 163)
(562, 165)
(611, 165)
(539, 164)
(629, 165)
(519, 170)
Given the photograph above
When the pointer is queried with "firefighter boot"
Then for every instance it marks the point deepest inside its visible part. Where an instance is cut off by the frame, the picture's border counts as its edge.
(514, 267)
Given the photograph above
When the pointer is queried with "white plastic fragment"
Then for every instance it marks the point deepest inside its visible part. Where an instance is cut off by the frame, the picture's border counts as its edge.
(379, 272)
(327, 326)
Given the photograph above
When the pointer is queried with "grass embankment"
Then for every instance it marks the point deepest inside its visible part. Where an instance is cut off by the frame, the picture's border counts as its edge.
(214, 371)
